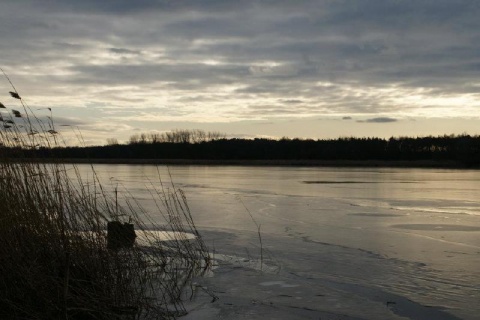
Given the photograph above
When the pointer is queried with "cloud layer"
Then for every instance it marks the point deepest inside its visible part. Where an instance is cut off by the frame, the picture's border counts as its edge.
(222, 61)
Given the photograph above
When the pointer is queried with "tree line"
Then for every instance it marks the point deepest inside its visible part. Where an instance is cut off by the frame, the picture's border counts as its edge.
(198, 145)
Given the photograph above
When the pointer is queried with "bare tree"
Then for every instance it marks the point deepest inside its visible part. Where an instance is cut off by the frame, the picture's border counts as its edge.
(112, 142)
(178, 136)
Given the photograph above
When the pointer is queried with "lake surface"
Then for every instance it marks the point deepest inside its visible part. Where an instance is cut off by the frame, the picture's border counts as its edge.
(362, 243)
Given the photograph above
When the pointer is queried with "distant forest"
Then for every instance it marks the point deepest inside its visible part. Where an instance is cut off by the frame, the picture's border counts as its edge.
(464, 150)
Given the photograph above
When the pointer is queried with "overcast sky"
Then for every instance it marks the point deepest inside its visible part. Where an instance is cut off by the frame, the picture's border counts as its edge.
(249, 68)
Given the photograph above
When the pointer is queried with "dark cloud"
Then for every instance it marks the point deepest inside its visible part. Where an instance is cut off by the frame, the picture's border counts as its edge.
(210, 27)
(68, 121)
(124, 51)
(347, 118)
(200, 75)
(379, 120)
(291, 101)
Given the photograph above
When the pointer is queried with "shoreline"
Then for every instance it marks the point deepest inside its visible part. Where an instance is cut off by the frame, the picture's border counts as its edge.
(287, 163)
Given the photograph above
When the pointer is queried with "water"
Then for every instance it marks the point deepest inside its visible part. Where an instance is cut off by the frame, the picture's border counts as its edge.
(340, 238)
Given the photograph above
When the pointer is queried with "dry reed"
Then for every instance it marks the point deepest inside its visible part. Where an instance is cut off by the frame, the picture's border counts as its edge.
(54, 258)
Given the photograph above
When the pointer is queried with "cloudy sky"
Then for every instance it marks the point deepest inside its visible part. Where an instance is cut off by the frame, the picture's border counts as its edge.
(250, 68)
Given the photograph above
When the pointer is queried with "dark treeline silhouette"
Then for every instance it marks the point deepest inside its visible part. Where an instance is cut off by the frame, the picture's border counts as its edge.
(175, 136)
(196, 145)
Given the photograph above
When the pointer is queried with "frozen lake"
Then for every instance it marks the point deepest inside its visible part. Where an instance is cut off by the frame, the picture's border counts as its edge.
(338, 243)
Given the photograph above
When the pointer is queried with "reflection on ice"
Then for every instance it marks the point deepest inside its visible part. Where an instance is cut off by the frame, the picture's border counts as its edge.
(147, 237)
(144, 236)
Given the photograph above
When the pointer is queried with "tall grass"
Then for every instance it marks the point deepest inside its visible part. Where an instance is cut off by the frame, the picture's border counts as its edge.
(54, 258)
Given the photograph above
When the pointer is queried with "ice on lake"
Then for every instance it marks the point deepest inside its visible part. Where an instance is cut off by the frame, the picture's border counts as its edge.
(336, 242)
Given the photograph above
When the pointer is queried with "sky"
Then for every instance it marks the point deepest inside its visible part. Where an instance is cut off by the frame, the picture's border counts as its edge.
(315, 69)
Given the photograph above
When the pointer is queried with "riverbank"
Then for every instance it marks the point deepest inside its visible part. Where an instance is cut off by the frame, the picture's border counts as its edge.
(293, 163)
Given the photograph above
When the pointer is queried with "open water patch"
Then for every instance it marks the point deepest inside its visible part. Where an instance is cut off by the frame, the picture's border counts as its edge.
(397, 304)
(351, 182)
(436, 227)
(281, 284)
(366, 214)
(336, 182)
